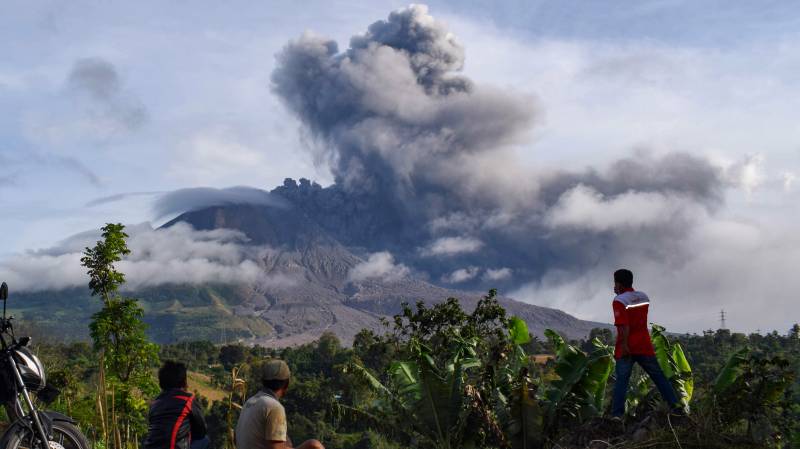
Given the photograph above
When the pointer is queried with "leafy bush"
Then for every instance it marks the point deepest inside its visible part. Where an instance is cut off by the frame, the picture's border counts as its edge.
(753, 390)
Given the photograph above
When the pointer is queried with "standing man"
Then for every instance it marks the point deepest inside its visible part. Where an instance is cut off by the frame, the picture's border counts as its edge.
(262, 423)
(633, 343)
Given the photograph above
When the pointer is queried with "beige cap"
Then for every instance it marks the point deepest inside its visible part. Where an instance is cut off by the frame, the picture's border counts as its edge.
(275, 369)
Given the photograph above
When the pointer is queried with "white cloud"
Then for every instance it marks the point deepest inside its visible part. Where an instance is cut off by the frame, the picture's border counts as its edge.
(748, 173)
(789, 179)
(497, 274)
(461, 275)
(379, 266)
(215, 154)
(450, 246)
(175, 255)
(583, 208)
(748, 269)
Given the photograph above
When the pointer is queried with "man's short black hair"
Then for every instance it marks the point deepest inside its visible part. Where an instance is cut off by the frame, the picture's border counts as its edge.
(275, 384)
(624, 277)
(172, 375)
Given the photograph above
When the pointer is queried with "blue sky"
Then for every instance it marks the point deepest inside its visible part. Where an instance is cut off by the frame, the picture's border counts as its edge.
(185, 102)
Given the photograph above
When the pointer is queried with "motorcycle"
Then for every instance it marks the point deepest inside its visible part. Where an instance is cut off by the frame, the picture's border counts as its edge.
(21, 375)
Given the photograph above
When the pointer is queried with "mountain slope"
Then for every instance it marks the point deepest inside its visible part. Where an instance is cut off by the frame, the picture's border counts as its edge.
(306, 287)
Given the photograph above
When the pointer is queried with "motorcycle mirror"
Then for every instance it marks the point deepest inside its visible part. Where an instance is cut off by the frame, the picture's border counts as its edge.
(3, 292)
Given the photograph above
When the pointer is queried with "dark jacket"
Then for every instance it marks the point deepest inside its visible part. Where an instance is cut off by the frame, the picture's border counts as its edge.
(175, 420)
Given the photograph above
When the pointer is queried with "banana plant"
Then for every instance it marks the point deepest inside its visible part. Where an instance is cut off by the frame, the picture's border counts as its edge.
(516, 405)
(579, 390)
(731, 371)
(752, 387)
(429, 399)
(673, 362)
(638, 392)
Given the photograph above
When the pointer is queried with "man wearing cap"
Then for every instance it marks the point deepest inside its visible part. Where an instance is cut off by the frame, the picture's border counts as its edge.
(262, 423)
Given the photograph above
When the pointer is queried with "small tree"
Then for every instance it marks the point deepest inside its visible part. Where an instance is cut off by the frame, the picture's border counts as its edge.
(104, 279)
(794, 333)
(232, 355)
(118, 333)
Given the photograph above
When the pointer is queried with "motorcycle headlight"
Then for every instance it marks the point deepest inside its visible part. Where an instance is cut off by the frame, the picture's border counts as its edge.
(31, 369)
(39, 368)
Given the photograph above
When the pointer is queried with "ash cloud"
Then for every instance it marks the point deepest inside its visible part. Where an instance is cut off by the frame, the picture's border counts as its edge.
(97, 81)
(391, 113)
(422, 160)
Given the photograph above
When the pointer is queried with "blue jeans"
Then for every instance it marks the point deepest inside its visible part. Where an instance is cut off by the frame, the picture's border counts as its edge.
(651, 367)
(202, 443)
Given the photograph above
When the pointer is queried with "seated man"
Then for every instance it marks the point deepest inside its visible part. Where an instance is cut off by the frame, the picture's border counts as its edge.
(262, 424)
(175, 419)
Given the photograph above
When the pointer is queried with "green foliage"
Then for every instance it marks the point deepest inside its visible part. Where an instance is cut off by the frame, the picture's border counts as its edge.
(232, 355)
(673, 362)
(518, 331)
(429, 400)
(197, 355)
(639, 390)
(436, 392)
(446, 377)
(118, 330)
(104, 279)
(579, 391)
(732, 370)
(119, 336)
(754, 388)
(434, 327)
(514, 400)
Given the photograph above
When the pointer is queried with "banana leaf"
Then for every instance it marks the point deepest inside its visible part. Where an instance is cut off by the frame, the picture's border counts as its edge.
(435, 407)
(433, 398)
(518, 330)
(580, 387)
(555, 339)
(637, 393)
(663, 350)
(405, 379)
(524, 428)
(674, 364)
(600, 365)
(731, 371)
(686, 380)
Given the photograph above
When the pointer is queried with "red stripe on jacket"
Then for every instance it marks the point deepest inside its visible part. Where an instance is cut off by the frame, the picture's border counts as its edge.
(184, 413)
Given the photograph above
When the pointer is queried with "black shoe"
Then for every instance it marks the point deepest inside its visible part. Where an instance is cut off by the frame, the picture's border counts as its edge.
(678, 411)
(616, 424)
(678, 416)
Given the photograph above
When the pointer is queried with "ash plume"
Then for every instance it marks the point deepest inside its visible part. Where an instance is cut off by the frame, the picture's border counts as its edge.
(391, 113)
(420, 153)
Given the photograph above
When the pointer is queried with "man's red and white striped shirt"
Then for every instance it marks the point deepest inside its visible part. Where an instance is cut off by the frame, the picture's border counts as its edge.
(631, 307)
